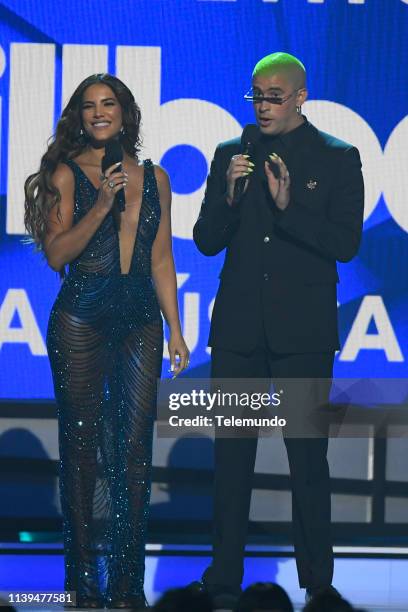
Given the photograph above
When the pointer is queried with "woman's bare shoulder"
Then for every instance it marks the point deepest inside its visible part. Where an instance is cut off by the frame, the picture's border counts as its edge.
(162, 178)
(63, 176)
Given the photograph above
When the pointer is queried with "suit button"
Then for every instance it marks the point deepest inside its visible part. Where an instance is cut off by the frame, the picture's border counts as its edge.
(266, 276)
(266, 239)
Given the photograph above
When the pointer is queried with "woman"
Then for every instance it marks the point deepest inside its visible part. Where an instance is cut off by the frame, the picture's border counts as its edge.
(105, 333)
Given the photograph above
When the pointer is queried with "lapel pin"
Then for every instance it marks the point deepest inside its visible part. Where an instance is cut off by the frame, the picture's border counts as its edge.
(311, 184)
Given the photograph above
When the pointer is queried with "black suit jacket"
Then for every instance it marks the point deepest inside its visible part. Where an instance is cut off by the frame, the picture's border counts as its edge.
(278, 282)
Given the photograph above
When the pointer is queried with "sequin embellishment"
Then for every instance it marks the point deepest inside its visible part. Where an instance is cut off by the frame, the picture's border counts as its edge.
(105, 343)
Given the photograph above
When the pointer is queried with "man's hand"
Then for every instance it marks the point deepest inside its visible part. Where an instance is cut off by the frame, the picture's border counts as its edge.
(279, 188)
(239, 166)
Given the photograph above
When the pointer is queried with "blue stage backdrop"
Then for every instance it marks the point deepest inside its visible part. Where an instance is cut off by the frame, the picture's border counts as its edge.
(189, 64)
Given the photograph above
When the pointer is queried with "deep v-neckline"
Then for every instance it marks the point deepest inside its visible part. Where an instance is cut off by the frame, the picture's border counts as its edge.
(136, 236)
(133, 248)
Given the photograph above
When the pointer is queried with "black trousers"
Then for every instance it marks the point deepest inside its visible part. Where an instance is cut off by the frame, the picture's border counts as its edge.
(309, 474)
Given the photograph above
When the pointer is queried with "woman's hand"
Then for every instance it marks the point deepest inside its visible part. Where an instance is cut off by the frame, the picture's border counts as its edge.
(111, 184)
(179, 354)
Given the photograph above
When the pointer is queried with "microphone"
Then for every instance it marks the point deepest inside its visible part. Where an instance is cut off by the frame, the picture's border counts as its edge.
(113, 155)
(249, 138)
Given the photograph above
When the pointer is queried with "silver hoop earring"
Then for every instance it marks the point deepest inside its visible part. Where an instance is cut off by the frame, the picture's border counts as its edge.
(299, 110)
(122, 130)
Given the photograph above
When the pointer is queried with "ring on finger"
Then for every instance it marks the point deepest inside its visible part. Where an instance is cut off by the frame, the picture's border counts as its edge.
(111, 184)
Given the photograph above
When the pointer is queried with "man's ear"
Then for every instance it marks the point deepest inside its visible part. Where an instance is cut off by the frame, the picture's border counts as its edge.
(302, 96)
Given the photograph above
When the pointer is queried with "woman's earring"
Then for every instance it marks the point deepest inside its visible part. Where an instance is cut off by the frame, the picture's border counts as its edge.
(82, 137)
(299, 110)
(122, 130)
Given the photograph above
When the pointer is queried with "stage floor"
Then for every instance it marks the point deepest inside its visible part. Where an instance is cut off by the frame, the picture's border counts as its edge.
(374, 579)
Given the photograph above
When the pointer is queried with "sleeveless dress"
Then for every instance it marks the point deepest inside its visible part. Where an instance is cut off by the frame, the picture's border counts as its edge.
(105, 344)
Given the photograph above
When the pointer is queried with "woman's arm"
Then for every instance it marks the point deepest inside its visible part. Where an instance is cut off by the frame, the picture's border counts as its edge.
(64, 241)
(164, 275)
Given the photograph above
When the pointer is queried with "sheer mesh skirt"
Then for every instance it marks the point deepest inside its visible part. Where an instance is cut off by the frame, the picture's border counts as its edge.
(105, 386)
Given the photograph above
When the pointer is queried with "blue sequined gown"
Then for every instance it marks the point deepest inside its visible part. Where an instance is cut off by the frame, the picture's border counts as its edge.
(105, 343)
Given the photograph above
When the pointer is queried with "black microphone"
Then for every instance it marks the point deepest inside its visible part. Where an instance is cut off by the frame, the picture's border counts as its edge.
(249, 138)
(113, 155)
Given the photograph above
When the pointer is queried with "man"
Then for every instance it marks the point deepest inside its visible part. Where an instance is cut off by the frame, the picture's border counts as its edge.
(275, 313)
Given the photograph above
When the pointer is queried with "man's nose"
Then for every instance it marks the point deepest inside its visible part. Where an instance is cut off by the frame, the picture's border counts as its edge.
(263, 106)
